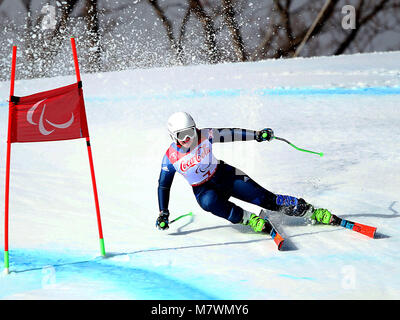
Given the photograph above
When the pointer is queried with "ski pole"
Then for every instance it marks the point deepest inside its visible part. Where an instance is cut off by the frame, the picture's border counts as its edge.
(162, 224)
(297, 148)
(184, 215)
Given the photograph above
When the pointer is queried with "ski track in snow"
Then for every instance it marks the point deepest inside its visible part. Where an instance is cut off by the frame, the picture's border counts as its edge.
(346, 107)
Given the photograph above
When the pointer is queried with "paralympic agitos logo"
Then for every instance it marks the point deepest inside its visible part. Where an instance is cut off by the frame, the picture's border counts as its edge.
(42, 120)
(201, 153)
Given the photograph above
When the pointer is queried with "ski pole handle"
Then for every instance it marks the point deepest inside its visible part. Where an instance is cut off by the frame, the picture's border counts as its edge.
(297, 148)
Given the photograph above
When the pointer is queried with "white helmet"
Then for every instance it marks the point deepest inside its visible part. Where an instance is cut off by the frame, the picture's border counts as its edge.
(180, 126)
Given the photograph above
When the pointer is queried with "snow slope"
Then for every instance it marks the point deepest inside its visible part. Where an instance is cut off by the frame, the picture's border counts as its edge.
(345, 106)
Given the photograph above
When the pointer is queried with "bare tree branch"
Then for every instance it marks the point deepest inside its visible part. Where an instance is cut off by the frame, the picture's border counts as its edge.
(182, 31)
(168, 27)
(209, 30)
(285, 16)
(360, 22)
(230, 20)
(312, 28)
(92, 21)
(265, 45)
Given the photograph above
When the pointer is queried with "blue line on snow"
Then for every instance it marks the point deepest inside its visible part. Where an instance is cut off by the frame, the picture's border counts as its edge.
(229, 93)
(36, 269)
(224, 93)
(295, 277)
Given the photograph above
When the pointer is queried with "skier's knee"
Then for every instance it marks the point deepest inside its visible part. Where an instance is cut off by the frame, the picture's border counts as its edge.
(208, 201)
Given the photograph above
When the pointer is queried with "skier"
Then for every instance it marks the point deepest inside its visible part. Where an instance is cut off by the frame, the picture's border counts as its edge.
(214, 181)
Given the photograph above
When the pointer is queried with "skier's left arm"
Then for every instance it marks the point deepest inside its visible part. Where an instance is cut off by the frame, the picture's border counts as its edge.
(238, 134)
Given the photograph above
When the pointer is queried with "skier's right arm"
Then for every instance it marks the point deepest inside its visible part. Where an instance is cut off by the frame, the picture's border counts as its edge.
(164, 186)
(237, 134)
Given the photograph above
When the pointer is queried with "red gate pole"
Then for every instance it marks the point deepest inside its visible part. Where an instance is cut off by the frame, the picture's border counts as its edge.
(96, 199)
(7, 186)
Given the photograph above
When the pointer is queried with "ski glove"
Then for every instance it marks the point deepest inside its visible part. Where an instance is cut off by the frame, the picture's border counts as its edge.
(162, 220)
(264, 135)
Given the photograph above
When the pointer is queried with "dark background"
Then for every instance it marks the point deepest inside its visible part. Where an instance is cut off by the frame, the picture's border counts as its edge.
(117, 35)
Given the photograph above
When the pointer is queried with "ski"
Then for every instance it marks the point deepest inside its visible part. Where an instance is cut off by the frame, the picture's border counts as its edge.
(272, 231)
(357, 227)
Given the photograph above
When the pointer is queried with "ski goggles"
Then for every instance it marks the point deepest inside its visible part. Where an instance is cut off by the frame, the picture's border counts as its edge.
(185, 133)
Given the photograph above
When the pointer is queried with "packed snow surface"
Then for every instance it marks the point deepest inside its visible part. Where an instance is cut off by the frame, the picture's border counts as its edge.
(347, 107)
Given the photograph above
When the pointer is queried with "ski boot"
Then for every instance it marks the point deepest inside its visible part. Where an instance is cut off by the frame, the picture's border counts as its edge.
(254, 221)
(320, 215)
